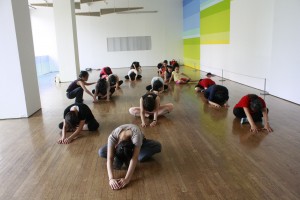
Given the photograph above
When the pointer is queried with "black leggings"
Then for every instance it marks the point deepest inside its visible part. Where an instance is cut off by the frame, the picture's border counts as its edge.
(133, 77)
(149, 87)
(92, 124)
(240, 113)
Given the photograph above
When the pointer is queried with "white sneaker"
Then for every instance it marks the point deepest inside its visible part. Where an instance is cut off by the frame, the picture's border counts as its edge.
(244, 120)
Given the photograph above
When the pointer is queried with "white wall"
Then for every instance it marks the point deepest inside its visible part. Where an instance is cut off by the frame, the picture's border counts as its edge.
(284, 72)
(251, 26)
(264, 45)
(247, 58)
(43, 31)
(165, 28)
(19, 82)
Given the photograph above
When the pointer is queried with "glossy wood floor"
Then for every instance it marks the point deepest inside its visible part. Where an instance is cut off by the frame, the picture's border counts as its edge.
(206, 153)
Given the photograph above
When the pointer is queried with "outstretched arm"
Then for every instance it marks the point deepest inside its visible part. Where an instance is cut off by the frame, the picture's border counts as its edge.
(185, 75)
(214, 104)
(108, 86)
(157, 104)
(124, 181)
(117, 84)
(82, 84)
(250, 119)
(63, 134)
(109, 164)
(266, 120)
(89, 83)
(75, 134)
(142, 113)
(96, 93)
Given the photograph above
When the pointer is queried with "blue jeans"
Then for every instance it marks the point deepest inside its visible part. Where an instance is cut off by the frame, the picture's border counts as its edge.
(77, 94)
(148, 149)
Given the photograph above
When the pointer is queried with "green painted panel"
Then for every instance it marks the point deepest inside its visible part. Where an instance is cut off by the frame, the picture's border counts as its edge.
(219, 22)
(192, 41)
(224, 5)
(191, 55)
(216, 38)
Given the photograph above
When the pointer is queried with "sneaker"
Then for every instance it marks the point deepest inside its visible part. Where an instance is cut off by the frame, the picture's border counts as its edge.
(244, 120)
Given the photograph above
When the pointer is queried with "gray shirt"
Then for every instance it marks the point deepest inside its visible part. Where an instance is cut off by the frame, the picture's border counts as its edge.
(136, 138)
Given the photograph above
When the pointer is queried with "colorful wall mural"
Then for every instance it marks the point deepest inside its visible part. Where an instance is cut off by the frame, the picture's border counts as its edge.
(204, 22)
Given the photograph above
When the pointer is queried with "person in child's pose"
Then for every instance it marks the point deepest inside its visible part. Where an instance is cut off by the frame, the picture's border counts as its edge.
(161, 68)
(168, 74)
(76, 88)
(126, 145)
(77, 117)
(135, 72)
(172, 62)
(177, 76)
(150, 107)
(157, 85)
(103, 90)
(205, 83)
(114, 81)
(217, 96)
(105, 72)
(252, 108)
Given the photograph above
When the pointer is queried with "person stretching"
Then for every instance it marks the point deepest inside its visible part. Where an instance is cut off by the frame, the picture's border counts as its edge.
(250, 109)
(76, 88)
(126, 145)
(150, 107)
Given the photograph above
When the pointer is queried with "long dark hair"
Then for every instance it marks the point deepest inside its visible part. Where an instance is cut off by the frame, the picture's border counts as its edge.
(157, 85)
(255, 103)
(102, 86)
(124, 150)
(71, 120)
(83, 74)
(135, 65)
(149, 103)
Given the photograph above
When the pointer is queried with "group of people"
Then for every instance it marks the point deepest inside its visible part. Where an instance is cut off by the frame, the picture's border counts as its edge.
(250, 109)
(127, 144)
(171, 72)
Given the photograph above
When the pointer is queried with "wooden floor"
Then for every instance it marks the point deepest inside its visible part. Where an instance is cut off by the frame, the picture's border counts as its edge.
(206, 153)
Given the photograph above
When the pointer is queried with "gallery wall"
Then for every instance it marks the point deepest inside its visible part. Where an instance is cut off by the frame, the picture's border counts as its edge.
(164, 27)
(258, 46)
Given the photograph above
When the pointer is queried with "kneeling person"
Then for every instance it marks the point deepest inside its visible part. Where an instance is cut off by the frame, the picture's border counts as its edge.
(126, 145)
(77, 117)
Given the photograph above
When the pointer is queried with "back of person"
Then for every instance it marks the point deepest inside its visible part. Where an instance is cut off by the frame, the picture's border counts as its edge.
(106, 71)
(135, 65)
(73, 85)
(246, 100)
(206, 82)
(102, 86)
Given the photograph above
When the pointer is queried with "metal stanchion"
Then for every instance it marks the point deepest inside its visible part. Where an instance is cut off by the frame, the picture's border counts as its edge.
(222, 77)
(265, 85)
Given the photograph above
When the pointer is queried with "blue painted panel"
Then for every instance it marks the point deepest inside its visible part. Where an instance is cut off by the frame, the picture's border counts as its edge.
(185, 2)
(191, 22)
(191, 9)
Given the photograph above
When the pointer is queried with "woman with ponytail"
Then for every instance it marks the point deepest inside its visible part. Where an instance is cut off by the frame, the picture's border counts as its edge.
(77, 87)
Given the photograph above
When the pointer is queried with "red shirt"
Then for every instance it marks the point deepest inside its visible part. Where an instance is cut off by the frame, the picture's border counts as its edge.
(245, 103)
(105, 72)
(206, 82)
(163, 70)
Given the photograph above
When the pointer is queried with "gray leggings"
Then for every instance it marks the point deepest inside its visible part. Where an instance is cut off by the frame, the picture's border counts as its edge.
(148, 149)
